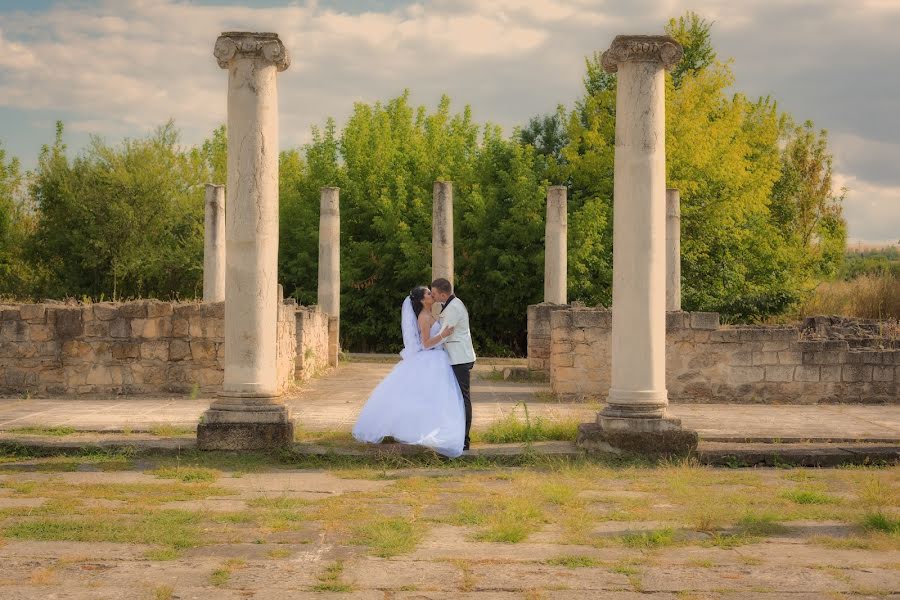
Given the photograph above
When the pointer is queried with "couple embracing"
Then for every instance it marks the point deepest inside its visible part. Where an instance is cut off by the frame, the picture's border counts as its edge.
(425, 399)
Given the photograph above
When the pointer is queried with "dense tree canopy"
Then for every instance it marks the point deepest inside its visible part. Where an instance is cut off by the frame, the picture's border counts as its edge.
(760, 220)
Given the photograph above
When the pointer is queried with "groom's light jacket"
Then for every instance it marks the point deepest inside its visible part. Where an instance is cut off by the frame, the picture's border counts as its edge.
(458, 345)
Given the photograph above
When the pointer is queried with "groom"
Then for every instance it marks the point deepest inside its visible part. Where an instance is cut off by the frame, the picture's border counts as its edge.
(459, 344)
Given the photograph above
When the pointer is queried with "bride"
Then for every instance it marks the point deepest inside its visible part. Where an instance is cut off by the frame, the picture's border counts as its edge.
(419, 402)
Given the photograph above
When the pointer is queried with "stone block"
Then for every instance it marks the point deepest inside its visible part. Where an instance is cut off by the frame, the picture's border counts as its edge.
(125, 350)
(742, 359)
(179, 350)
(738, 375)
(244, 436)
(76, 349)
(195, 327)
(790, 358)
(155, 350)
(68, 323)
(133, 310)
(705, 360)
(728, 336)
(203, 349)
(883, 373)
(828, 357)
(856, 373)
(34, 313)
(806, 373)
(99, 375)
(704, 320)
(180, 328)
(187, 310)
(777, 373)
(676, 319)
(96, 328)
(652, 444)
(10, 314)
(775, 346)
(13, 331)
(120, 328)
(213, 310)
(765, 358)
(208, 378)
(105, 311)
(159, 309)
(152, 328)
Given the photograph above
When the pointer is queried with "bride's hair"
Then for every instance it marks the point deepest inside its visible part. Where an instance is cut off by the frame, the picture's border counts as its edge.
(416, 296)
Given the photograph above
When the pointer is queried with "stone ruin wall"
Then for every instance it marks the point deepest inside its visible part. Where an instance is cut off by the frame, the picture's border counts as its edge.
(136, 347)
(823, 360)
(311, 342)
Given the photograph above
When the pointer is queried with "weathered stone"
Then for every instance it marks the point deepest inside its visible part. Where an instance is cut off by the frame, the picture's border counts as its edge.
(179, 350)
(159, 309)
(99, 375)
(672, 443)
(34, 313)
(883, 373)
(765, 358)
(125, 350)
(180, 328)
(214, 244)
(704, 320)
(133, 310)
(214, 310)
(790, 358)
(155, 350)
(14, 331)
(96, 328)
(806, 373)
(746, 374)
(120, 328)
(10, 314)
(830, 373)
(779, 373)
(855, 373)
(244, 436)
(187, 310)
(203, 349)
(68, 323)
(105, 311)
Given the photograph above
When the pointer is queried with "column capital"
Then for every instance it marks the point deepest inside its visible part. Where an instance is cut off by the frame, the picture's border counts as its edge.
(247, 44)
(661, 49)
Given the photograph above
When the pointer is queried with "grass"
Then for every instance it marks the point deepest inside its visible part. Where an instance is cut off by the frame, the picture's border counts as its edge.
(574, 561)
(761, 524)
(45, 431)
(163, 592)
(809, 497)
(167, 430)
(866, 297)
(388, 536)
(878, 521)
(512, 429)
(330, 579)
(187, 474)
(649, 539)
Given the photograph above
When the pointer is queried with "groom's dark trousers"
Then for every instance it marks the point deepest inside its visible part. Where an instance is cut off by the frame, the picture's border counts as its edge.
(463, 374)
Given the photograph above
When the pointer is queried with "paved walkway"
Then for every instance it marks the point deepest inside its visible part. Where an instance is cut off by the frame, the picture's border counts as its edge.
(333, 401)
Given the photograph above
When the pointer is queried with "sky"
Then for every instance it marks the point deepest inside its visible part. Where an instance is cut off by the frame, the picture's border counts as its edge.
(120, 68)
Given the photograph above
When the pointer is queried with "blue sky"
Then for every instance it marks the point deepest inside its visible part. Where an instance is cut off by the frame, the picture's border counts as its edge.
(119, 68)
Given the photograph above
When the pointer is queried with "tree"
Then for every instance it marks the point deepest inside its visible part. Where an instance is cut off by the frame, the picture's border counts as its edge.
(16, 224)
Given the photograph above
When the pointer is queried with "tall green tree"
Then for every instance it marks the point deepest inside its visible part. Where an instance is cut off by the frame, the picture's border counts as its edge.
(16, 224)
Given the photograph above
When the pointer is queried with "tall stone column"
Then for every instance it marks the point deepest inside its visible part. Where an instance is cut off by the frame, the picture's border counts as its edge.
(673, 250)
(214, 244)
(442, 231)
(555, 246)
(330, 266)
(635, 416)
(249, 414)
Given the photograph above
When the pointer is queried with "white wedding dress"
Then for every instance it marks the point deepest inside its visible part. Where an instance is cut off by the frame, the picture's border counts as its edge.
(419, 401)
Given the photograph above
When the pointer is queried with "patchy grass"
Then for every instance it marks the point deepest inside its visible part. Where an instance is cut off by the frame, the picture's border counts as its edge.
(761, 524)
(220, 577)
(805, 496)
(573, 561)
(878, 521)
(45, 431)
(649, 539)
(388, 536)
(330, 579)
(187, 474)
(513, 429)
(163, 592)
(168, 430)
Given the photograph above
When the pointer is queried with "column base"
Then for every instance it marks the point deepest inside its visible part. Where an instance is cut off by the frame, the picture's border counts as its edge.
(647, 437)
(245, 424)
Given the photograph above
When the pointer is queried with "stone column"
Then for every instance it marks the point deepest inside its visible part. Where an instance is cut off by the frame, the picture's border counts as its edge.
(248, 414)
(330, 266)
(673, 250)
(442, 231)
(555, 248)
(635, 416)
(214, 244)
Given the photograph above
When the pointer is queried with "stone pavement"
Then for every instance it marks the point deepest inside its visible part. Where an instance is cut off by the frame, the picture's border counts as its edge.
(333, 401)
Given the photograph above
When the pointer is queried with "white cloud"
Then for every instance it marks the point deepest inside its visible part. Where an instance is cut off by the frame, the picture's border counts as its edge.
(872, 211)
(125, 66)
